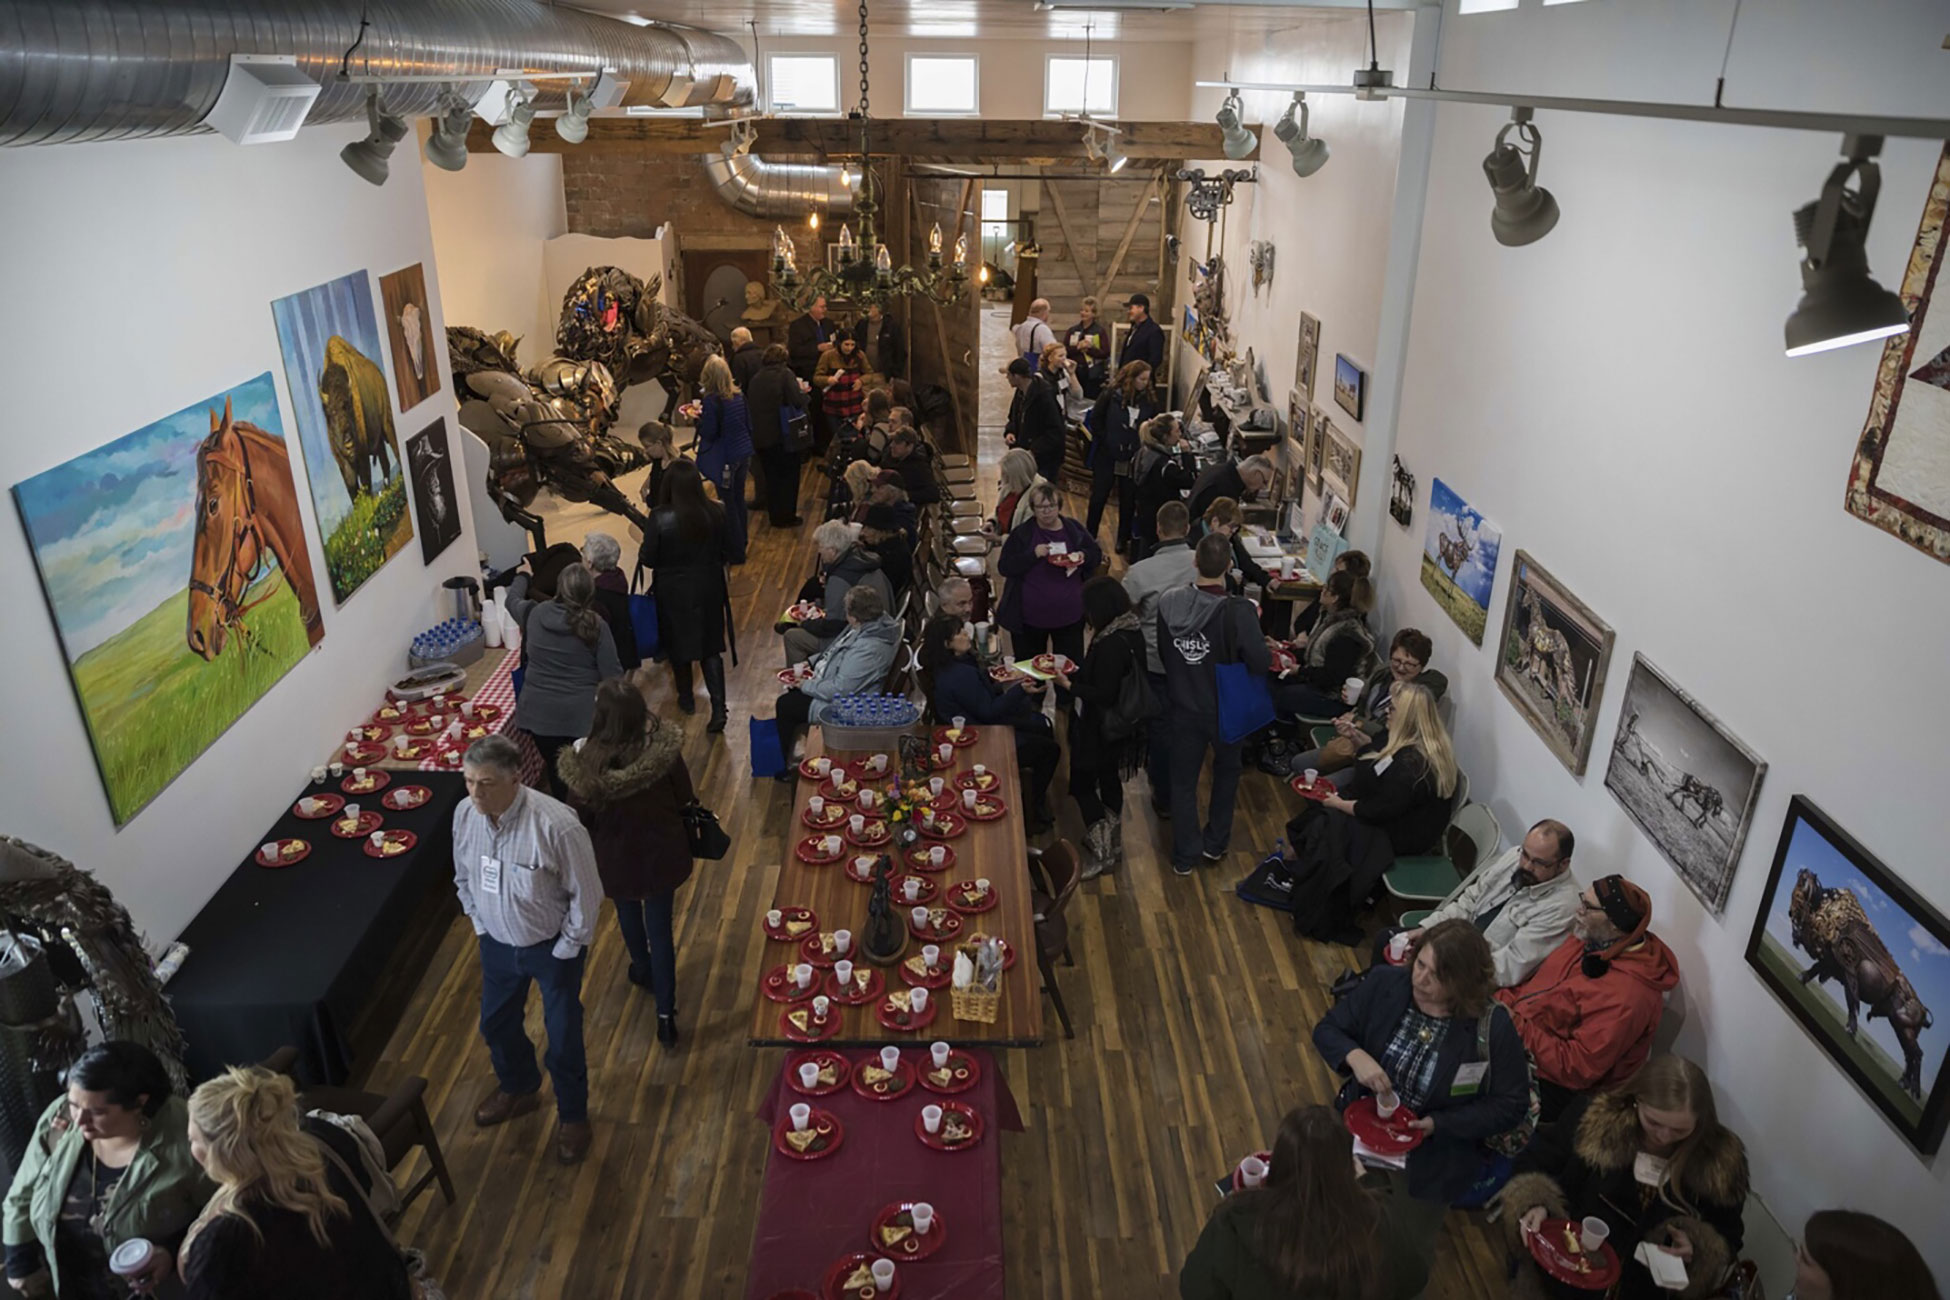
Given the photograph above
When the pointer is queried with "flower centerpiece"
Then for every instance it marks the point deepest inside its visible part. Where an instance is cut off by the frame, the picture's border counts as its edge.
(904, 800)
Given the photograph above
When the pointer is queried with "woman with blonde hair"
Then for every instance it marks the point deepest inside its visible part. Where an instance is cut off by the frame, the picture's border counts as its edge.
(290, 1217)
(1014, 477)
(1394, 802)
(724, 448)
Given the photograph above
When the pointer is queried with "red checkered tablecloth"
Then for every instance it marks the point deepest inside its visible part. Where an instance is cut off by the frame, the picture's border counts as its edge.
(498, 689)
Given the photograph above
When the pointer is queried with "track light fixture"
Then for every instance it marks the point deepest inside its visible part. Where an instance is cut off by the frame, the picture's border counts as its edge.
(1309, 152)
(573, 126)
(1238, 140)
(1114, 159)
(1841, 303)
(511, 137)
(447, 144)
(741, 139)
(369, 158)
(1525, 211)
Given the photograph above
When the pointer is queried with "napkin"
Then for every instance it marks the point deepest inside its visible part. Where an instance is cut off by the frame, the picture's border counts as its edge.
(1374, 1159)
(964, 971)
(1667, 1269)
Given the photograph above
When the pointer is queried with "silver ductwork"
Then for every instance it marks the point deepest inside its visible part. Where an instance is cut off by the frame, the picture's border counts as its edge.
(75, 70)
(758, 188)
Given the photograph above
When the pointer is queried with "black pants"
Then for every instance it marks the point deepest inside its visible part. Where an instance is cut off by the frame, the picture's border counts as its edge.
(781, 483)
(1102, 484)
(793, 714)
(1098, 788)
(1032, 641)
(550, 746)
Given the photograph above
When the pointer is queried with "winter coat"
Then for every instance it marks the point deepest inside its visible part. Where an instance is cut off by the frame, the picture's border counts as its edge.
(1225, 1263)
(892, 361)
(558, 688)
(960, 689)
(1012, 510)
(613, 599)
(1146, 343)
(774, 390)
(634, 814)
(1018, 558)
(857, 661)
(1198, 630)
(856, 566)
(1173, 564)
(1342, 646)
(1037, 423)
(1532, 922)
(746, 362)
(1222, 480)
(1114, 653)
(1589, 1034)
(917, 477)
(802, 341)
(724, 436)
(1446, 1164)
(840, 382)
(1584, 1164)
(896, 562)
(1162, 475)
(1116, 439)
(688, 576)
(1371, 714)
(1398, 798)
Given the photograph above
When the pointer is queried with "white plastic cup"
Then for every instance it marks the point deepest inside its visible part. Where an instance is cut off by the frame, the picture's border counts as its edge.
(816, 805)
(883, 1274)
(981, 769)
(936, 785)
(317, 777)
(1398, 946)
(856, 823)
(911, 890)
(923, 1215)
(336, 768)
(927, 817)
(132, 1257)
(938, 1052)
(866, 801)
(352, 812)
(775, 918)
(1386, 1104)
(359, 775)
(400, 744)
(1592, 1233)
(809, 1074)
(269, 850)
(821, 1005)
(931, 955)
(968, 800)
(931, 1118)
(863, 864)
(356, 735)
(802, 975)
(801, 1113)
(1351, 690)
(378, 839)
(843, 972)
(982, 886)
(830, 844)
(842, 941)
(1252, 1171)
(467, 708)
(937, 854)
(917, 999)
(1312, 774)
(920, 918)
(958, 722)
(822, 765)
(944, 751)
(889, 1058)
(802, 668)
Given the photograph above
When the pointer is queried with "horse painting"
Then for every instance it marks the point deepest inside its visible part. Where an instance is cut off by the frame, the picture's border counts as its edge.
(246, 516)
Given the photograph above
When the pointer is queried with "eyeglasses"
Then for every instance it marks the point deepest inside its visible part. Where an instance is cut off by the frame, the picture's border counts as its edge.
(1406, 665)
(1526, 858)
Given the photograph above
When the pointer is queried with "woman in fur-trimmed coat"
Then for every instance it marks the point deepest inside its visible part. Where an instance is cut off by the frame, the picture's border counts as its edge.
(628, 783)
(1652, 1161)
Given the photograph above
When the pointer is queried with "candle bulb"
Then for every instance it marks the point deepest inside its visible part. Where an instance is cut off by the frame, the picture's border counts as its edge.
(846, 239)
(934, 240)
(883, 263)
(812, 220)
(961, 250)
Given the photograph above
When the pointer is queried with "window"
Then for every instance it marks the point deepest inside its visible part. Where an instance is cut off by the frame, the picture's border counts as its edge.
(995, 205)
(1066, 81)
(804, 83)
(1483, 6)
(942, 85)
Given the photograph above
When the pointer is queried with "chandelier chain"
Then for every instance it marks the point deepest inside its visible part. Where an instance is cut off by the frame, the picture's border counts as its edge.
(863, 58)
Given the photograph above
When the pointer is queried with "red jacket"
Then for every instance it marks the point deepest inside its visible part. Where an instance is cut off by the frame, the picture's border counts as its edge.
(1592, 1034)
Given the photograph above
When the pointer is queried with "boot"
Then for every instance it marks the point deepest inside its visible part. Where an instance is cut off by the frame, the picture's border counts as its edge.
(1097, 857)
(685, 684)
(714, 683)
(1117, 841)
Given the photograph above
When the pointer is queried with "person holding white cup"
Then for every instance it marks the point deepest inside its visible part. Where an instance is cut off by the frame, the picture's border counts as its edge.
(1339, 645)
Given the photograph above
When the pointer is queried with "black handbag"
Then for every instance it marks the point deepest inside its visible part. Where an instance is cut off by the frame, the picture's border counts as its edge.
(707, 837)
(795, 429)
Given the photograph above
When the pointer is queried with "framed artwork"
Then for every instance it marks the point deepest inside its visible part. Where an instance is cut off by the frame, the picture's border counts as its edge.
(409, 329)
(344, 414)
(1685, 779)
(1340, 466)
(1459, 553)
(1864, 965)
(433, 489)
(1553, 660)
(1401, 499)
(1334, 512)
(1309, 358)
(1900, 478)
(176, 571)
(1317, 449)
(1350, 387)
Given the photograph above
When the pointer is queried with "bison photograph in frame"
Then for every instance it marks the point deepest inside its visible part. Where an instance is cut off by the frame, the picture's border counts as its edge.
(1864, 965)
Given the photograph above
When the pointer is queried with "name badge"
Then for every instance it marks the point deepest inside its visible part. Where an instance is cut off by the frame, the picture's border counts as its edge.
(490, 875)
(1469, 1079)
(1382, 764)
(1649, 1169)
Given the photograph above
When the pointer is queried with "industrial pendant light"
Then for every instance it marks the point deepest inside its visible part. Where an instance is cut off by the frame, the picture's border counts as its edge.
(1114, 157)
(447, 143)
(1238, 140)
(1525, 211)
(511, 137)
(370, 158)
(573, 126)
(1841, 303)
(1309, 153)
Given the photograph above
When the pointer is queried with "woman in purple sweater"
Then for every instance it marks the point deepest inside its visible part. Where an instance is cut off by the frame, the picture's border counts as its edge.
(1042, 603)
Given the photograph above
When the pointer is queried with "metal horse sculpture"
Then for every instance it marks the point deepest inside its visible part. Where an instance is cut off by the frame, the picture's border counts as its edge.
(1454, 550)
(244, 519)
(1710, 802)
(1830, 926)
(610, 316)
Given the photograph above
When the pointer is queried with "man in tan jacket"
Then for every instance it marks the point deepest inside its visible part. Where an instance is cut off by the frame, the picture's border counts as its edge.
(1523, 901)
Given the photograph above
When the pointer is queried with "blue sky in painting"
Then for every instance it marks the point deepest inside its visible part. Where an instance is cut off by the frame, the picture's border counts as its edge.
(305, 322)
(112, 528)
(1447, 510)
(1925, 961)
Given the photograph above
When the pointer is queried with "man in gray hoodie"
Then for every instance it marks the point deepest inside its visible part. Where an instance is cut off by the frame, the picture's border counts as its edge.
(1169, 566)
(1198, 628)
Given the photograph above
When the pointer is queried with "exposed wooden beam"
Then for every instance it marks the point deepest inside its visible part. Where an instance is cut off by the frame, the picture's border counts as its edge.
(1130, 232)
(973, 139)
(1074, 249)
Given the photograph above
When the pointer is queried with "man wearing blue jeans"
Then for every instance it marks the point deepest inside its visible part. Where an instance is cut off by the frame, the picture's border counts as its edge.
(1167, 567)
(1199, 628)
(526, 875)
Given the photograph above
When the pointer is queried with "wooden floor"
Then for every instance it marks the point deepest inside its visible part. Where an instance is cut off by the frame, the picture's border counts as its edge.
(1193, 1013)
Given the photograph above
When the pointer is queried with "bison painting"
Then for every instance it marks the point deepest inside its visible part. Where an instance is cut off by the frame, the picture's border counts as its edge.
(1831, 927)
(358, 415)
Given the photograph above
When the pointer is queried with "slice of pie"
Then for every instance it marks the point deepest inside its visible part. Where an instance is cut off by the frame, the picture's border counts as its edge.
(800, 1139)
(828, 1073)
(861, 978)
(860, 1282)
(918, 965)
(872, 1074)
(955, 1129)
(800, 1020)
(291, 850)
(893, 1234)
(797, 926)
(937, 917)
(827, 944)
(897, 1000)
(944, 1076)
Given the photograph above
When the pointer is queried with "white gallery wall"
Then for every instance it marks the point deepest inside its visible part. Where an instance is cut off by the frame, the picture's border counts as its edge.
(139, 280)
(1615, 398)
(490, 221)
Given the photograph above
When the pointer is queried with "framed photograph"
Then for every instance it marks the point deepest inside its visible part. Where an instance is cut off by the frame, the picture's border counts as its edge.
(1686, 780)
(1350, 387)
(1340, 467)
(1317, 448)
(1459, 554)
(1333, 512)
(433, 489)
(1864, 965)
(1553, 660)
(1309, 357)
(417, 360)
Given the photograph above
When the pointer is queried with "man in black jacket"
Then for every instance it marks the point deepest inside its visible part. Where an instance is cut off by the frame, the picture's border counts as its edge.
(883, 343)
(1235, 479)
(807, 337)
(1036, 419)
(905, 456)
(1200, 627)
(746, 358)
(1145, 342)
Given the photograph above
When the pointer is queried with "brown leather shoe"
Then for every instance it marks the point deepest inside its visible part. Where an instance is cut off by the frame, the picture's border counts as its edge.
(500, 1107)
(572, 1142)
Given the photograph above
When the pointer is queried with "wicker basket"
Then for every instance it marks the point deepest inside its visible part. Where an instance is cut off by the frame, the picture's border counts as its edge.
(974, 1004)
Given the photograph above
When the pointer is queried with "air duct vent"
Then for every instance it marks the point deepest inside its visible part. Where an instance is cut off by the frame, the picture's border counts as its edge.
(264, 99)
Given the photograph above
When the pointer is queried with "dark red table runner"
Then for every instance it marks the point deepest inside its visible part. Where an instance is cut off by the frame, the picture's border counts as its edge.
(814, 1211)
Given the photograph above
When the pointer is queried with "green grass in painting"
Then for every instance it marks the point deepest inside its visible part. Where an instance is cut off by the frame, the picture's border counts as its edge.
(367, 538)
(153, 705)
(1469, 616)
(1883, 1069)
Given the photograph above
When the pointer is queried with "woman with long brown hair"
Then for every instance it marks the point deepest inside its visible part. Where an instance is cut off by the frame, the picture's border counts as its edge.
(567, 649)
(1311, 1231)
(685, 548)
(1123, 406)
(1848, 1255)
(628, 782)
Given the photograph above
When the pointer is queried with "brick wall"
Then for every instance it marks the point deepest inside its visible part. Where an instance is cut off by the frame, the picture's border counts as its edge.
(616, 194)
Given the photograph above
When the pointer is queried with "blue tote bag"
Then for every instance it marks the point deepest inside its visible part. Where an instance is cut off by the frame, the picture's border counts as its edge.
(643, 617)
(1245, 696)
(768, 755)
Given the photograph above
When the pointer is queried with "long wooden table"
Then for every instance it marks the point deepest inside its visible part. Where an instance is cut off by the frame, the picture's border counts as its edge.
(995, 850)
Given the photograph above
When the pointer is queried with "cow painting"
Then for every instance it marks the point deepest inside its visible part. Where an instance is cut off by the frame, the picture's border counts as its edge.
(358, 415)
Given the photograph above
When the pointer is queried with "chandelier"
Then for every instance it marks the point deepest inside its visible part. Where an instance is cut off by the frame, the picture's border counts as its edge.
(865, 274)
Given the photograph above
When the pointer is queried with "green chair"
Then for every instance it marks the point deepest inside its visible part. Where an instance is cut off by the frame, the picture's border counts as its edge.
(1472, 836)
(1409, 920)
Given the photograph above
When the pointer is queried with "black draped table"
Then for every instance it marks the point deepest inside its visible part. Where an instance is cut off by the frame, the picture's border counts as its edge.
(292, 955)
